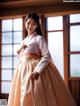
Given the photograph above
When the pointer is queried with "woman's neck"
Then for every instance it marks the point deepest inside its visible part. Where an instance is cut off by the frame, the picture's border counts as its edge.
(33, 33)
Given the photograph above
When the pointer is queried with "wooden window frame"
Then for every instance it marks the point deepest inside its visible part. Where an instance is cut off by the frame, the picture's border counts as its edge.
(5, 95)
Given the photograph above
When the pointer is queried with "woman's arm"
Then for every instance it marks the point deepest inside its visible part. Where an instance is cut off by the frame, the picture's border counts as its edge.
(46, 57)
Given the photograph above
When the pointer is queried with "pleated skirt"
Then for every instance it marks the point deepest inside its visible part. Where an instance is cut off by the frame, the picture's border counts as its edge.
(48, 90)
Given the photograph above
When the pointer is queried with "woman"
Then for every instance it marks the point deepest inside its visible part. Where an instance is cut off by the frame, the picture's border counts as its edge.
(36, 81)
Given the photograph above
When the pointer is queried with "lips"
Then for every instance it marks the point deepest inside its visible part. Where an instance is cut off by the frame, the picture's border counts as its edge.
(30, 29)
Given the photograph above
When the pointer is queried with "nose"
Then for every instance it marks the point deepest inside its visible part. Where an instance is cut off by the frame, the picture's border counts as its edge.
(30, 26)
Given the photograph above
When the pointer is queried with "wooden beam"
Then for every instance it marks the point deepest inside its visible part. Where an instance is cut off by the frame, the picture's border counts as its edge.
(64, 8)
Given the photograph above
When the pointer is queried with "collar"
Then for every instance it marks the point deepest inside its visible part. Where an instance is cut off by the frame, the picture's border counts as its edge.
(32, 35)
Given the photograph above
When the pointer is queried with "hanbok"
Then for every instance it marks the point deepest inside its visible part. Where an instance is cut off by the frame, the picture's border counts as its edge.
(48, 89)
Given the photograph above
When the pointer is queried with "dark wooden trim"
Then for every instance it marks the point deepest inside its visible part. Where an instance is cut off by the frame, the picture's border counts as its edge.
(0, 54)
(74, 78)
(24, 30)
(74, 24)
(43, 28)
(28, 3)
(75, 90)
(65, 8)
(73, 52)
(66, 47)
(4, 96)
(46, 34)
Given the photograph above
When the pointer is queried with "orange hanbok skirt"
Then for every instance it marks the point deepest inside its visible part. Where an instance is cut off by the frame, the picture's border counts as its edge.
(48, 90)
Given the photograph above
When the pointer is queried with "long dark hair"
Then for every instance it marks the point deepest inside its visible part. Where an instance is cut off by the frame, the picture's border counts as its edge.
(36, 19)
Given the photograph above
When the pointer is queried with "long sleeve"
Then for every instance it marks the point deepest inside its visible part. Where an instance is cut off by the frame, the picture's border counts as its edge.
(44, 53)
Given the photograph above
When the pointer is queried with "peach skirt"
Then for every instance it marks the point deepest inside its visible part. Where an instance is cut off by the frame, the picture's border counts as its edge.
(48, 90)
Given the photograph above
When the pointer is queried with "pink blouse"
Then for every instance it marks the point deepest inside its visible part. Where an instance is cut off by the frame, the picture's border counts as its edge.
(37, 44)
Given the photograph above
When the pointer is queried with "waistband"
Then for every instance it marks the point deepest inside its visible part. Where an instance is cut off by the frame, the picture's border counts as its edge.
(31, 56)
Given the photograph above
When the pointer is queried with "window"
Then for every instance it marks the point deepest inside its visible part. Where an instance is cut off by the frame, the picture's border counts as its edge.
(11, 38)
(55, 41)
(74, 45)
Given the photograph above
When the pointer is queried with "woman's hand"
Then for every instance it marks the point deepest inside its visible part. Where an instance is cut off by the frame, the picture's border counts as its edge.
(34, 75)
(21, 47)
(18, 51)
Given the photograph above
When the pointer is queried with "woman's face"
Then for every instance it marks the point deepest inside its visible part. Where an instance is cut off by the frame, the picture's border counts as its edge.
(30, 25)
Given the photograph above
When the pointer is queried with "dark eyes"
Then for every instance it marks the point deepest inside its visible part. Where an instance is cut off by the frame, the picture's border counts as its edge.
(31, 23)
